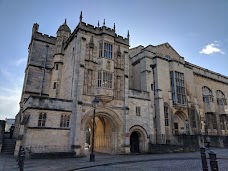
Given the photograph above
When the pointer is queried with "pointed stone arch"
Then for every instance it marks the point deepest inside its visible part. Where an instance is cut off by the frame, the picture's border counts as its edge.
(179, 122)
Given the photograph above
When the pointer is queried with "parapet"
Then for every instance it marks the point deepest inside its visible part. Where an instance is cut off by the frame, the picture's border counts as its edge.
(44, 38)
(99, 31)
(207, 73)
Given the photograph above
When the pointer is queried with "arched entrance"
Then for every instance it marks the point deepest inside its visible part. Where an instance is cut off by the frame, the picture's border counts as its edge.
(138, 139)
(134, 142)
(179, 122)
(106, 131)
(103, 134)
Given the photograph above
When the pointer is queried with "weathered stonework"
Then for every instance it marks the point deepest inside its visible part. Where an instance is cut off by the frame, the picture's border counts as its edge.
(138, 105)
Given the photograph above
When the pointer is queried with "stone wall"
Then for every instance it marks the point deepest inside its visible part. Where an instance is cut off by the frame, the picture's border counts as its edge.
(49, 135)
(38, 102)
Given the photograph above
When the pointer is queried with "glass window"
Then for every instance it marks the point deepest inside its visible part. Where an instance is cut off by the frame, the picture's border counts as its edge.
(56, 66)
(211, 121)
(177, 87)
(166, 113)
(193, 118)
(42, 119)
(54, 85)
(105, 50)
(104, 79)
(64, 120)
(207, 95)
(221, 100)
(138, 111)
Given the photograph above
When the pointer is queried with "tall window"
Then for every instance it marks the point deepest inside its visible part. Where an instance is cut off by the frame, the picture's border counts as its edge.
(221, 100)
(42, 119)
(105, 50)
(193, 118)
(104, 79)
(138, 111)
(178, 87)
(166, 112)
(55, 85)
(207, 95)
(211, 121)
(56, 66)
(64, 120)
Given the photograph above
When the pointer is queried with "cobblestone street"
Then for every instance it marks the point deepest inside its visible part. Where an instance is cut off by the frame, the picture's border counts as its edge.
(155, 162)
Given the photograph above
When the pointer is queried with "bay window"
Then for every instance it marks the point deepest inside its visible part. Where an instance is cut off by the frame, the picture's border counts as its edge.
(104, 79)
(105, 50)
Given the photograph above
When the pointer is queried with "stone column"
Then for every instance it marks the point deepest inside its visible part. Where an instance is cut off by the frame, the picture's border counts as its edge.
(160, 120)
(78, 78)
(126, 108)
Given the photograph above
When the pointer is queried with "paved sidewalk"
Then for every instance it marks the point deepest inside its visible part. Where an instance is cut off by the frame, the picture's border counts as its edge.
(8, 163)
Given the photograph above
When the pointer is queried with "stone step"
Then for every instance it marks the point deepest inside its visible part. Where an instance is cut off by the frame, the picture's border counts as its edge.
(7, 150)
(8, 145)
(9, 142)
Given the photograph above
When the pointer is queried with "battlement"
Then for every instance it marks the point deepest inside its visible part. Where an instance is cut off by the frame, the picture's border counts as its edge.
(103, 30)
(99, 31)
(44, 38)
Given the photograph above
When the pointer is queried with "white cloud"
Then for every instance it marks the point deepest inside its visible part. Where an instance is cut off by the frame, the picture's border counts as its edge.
(20, 61)
(9, 102)
(212, 48)
(10, 93)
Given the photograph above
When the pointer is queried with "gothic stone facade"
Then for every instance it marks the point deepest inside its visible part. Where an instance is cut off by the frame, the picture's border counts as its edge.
(139, 104)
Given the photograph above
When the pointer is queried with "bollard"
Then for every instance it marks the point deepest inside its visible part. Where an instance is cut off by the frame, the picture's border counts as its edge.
(19, 153)
(203, 159)
(21, 159)
(213, 161)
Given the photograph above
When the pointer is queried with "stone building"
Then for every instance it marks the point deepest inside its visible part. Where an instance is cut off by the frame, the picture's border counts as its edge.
(147, 95)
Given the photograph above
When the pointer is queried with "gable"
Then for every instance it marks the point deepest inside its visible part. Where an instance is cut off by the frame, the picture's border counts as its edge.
(166, 49)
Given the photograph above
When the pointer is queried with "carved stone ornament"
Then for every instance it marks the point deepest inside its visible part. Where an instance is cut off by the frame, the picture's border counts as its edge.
(108, 65)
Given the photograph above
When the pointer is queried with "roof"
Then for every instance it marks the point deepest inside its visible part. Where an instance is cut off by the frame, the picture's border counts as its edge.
(64, 27)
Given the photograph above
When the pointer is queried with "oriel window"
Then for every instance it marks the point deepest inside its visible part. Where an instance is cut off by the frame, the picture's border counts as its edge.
(104, 79)
(105, 50)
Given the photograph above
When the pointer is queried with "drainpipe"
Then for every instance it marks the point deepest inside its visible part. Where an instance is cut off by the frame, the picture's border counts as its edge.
(44, 69)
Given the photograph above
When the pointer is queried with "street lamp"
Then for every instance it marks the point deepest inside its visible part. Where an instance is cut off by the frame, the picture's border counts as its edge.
(92, 155)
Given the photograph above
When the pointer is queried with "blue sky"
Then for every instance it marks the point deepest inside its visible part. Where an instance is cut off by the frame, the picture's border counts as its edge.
(197, 30)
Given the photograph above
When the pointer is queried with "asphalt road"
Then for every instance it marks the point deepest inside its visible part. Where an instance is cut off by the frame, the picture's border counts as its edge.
(105, 162)
(158, 165)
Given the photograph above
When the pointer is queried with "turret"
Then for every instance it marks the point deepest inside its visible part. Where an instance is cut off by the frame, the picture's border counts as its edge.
(63, 34)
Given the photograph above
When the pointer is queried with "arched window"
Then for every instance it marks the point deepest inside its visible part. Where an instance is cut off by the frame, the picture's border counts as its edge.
(221, 100)
(166, 113)
(207, 95)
